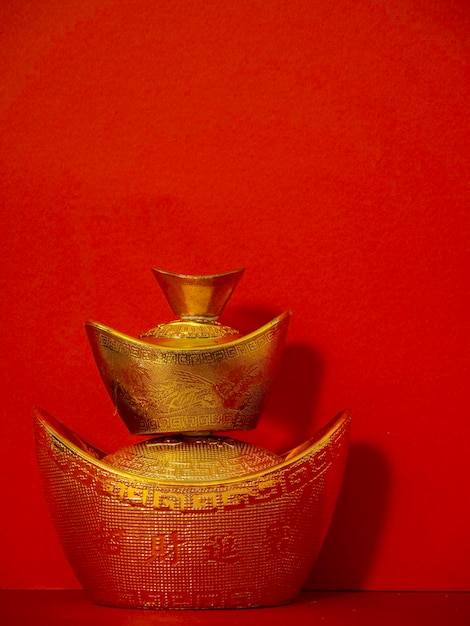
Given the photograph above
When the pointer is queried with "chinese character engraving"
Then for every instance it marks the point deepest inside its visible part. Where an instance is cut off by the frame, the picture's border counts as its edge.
(222, 549)
(165, 548)
(109, 540)
(277, 540)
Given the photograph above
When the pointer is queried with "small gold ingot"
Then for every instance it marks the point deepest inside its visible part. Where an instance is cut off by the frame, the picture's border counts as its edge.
(197, 297)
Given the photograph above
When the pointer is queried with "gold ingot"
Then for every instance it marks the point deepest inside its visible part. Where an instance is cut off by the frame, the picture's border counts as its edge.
(136, 541)
(197, 297)
(189, 519)
(190, 375)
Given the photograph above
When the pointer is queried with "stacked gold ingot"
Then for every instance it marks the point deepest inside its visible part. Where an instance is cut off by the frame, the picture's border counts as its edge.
(188, 519)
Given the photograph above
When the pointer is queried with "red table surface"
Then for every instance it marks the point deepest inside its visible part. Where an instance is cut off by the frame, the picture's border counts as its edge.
(68, 608)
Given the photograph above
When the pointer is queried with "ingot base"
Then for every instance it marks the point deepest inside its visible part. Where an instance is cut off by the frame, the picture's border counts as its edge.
(137, 542)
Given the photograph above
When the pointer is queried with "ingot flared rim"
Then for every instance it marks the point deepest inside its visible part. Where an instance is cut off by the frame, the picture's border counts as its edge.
(214, 348)
(290, 457)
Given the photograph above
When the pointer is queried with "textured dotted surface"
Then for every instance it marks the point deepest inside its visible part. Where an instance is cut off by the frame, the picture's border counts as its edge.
(133, 541)
(182, 458)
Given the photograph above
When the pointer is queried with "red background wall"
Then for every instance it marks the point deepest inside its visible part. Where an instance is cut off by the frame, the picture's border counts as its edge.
(322, 145)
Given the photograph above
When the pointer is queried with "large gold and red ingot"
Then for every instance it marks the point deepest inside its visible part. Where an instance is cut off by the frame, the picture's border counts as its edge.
(139, 542)
(189, 519)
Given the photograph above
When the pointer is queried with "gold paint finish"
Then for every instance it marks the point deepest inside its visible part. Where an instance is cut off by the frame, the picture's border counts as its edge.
(134, 541)
(192, 459)
(188, 519)
(197, 297)
(188, 331)
(191, 374)
(162, 389)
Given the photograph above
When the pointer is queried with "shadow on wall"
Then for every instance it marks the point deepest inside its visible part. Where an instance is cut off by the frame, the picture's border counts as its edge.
(351, 544)
(292, 404)
(288, 417)
(356, 529)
